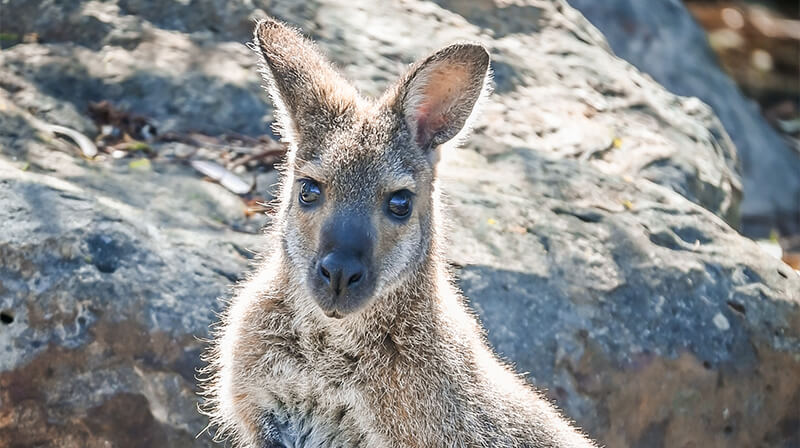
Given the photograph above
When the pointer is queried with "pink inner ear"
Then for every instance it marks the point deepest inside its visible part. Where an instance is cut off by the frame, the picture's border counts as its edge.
(428, 123)
(438, 96)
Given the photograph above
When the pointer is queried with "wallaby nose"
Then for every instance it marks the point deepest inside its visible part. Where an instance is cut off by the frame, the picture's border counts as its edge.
(341, 272)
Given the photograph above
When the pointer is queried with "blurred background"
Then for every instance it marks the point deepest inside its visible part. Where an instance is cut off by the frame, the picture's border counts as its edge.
(626, 215)
(756, 44)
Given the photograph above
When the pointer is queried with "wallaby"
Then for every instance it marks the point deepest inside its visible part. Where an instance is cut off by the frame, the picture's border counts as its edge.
(351, 333)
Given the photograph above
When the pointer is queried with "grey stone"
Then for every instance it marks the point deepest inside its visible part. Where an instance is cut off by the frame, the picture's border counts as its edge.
(110, 279)
(659, 297)
(661, 38)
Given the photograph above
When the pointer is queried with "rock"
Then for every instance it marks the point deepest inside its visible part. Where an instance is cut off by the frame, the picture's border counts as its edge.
(594, 236)
(661, 38)
(553, 96)
(653, 324)
(217, 76)
(177, 79)
(185, 83)
(107, 279)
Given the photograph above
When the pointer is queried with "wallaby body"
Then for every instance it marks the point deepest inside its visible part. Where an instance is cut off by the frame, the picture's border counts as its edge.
(350, 332)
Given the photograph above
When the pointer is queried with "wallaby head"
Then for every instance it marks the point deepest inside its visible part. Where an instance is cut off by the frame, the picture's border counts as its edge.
(358, 192)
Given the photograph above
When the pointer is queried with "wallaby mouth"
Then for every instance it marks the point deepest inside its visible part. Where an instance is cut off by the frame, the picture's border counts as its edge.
(333, 314)
(343, 287)
(343, 281)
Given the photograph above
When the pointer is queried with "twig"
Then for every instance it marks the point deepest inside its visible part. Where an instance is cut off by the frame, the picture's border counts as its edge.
(86, 145)
(258, 156)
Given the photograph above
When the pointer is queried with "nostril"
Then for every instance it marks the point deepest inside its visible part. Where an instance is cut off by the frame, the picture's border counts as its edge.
(354, 279)
(325, 272)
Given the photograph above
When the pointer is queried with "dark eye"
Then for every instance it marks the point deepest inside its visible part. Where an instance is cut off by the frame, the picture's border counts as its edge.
(309, 191)
(400, 204)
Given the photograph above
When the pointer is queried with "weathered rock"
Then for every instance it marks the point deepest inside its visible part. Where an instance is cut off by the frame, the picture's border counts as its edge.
(552, 95)
(107, 278)
(661, 38)
(588, 226)
(184, 82)
(650, 321)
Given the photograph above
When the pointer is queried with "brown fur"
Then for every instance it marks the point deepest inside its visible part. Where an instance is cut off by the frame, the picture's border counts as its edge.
(411, 367)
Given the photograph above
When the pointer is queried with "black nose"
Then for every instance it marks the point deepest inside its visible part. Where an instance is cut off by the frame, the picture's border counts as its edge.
(341, 272)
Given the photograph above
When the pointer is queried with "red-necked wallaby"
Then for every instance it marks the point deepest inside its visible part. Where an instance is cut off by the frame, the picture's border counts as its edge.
(350, 332)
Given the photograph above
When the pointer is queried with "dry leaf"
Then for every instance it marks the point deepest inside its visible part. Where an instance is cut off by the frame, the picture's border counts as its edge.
(87, 146)
(257, 206)
(518, 229)
(140, 164)
(792, 259)
(225, 178)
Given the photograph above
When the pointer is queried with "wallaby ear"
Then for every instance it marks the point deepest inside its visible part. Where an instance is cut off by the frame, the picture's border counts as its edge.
(438, 95)
(308, 93)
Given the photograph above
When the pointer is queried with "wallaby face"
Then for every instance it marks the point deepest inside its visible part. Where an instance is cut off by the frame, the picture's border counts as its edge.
(356, 224)
(358, 190)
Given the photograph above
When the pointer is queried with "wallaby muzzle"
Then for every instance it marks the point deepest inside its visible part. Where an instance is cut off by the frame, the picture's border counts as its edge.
(343, 281)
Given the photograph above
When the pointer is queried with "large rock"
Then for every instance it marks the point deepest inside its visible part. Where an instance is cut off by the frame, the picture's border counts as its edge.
(661, 38)
(649, 320)
(199, 82)
(108, 275)
(591, 235)
(552, 95)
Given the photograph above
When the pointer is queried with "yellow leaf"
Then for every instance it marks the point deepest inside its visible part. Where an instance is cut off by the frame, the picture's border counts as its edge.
(627, 204)
(138, 146)
(491, 221)
(140, 164)
(617, 142)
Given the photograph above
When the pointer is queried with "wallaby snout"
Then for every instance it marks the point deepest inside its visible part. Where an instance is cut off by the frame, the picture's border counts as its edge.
(343, 279)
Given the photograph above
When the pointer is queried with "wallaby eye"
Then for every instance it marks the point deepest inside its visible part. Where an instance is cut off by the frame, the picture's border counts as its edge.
(400, 204)
(309, 191)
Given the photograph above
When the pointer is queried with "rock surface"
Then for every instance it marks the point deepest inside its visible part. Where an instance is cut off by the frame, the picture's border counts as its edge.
(590, 215)
(661, 38)
(653, 324)
(108, 276)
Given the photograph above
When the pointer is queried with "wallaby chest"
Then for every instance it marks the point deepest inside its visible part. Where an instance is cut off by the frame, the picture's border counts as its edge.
(312, 389)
